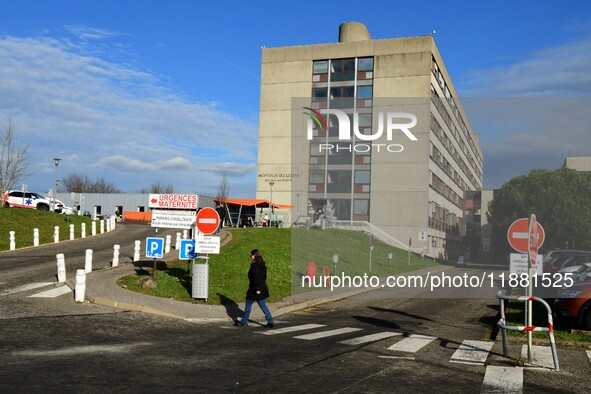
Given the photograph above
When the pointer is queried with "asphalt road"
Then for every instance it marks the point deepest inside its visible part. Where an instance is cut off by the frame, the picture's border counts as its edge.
(381, 344)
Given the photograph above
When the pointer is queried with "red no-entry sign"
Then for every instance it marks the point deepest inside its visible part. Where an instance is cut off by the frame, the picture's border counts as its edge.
(207, 221)
(518, 235)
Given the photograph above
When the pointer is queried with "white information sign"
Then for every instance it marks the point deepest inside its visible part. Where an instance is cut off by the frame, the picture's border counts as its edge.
(207, 245)
(423, 235)
(519, 263)
(173, 219)
(173, 201)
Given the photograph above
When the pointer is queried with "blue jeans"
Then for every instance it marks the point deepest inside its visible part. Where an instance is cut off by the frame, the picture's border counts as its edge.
(262, 304)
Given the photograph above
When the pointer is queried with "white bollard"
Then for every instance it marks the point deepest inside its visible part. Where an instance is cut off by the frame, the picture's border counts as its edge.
(102, 226)
(35, 237)
(80, 285)
(12, 241)
(178, 241)
(184, 234)
(116, 255)
(83, 230)
(88, 261)
(113, 222)
(136, 250)
(56, 234)
(71, 232)
(93, 229)
(167, 245)
(61, 268)
(108, 224)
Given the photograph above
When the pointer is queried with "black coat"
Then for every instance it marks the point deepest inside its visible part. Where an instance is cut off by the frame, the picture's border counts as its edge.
(257, 278)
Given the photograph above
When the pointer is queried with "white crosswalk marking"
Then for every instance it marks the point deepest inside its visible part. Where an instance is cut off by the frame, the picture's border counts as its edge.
(58, 291)
(541, 356)
(413, 343)
(370, 338)
(324, 334)
(502, 380)
(473, 352)
(283, 330)
(30, 286)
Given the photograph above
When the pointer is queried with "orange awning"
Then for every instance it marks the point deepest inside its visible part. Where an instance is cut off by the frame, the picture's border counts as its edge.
(253, 202)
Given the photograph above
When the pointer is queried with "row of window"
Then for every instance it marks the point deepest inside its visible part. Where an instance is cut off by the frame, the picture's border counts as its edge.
(340, 66)
(442, 188)
(443, 220)
(318, 176)
(447, 143)
(441, 80)
(342, 208)
(446, 166)
(363, 91)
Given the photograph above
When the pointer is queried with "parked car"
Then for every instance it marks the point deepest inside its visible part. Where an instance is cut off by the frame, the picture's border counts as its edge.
(573, 304)
(16, 198)
(69, 210)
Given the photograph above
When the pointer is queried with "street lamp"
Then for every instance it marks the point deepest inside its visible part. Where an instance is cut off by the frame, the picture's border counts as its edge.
(271, 202)
(56, 161)
(335, 260)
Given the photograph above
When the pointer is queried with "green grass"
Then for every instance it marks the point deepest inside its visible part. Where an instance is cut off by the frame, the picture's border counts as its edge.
(23, 221)
(228, 270)
(515, 316)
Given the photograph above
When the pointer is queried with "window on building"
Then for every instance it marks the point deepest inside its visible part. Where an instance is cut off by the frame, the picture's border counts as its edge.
(316, 176)
(319, 93)
(360, 207)
(362, 177)
(365, 92)
(342, 70)
(365, 64)
(320, 66)
(339, 181)
(315, 149)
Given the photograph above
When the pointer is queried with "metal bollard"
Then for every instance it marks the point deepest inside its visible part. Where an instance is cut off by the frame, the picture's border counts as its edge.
(80, 285)
(167, 246)
(178, 241)
(93, 229)
(56, 234)
(61, 268)
(35, 237)
(71, 232)
(12, 241)
(136, 250)
(88, 261)
(116, 255)
(83, 230)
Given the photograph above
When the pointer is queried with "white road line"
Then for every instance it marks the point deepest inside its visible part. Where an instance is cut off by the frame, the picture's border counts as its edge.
(58, 291)
(541, 356)
(26, 287)
(283, 330)
(472, 351)
(324, 334)
(370, 338)
(398, 357)
(413, 343)
(502, 380)
(589, 355)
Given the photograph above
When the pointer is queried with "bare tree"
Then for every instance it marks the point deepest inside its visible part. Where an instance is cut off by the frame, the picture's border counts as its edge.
(76, 183)
(158, 188)
(14, 162)
(102, 186)
(224, 188)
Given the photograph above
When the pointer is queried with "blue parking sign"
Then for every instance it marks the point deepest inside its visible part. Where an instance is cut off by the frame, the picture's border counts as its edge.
(187, 249)
(154, 247)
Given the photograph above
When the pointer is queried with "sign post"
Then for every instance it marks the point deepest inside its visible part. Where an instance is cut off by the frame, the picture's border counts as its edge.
(155, 250)
(533, 239)
(371, 242)
(207, 222)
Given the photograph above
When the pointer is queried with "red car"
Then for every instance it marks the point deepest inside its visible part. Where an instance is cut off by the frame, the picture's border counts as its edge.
(574, 304)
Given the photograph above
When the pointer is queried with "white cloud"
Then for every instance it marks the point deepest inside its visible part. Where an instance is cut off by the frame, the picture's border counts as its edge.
(102, 116)
(532, 113)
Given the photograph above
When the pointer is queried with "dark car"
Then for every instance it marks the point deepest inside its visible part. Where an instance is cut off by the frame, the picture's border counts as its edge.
(574, 305)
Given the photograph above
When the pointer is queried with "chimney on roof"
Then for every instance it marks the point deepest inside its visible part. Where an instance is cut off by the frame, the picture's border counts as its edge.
(353, 31)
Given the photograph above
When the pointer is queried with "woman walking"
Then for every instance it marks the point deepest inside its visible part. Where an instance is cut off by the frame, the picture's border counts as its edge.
(257, 289)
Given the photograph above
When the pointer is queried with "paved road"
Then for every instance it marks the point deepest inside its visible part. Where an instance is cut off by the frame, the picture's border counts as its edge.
(356, 345)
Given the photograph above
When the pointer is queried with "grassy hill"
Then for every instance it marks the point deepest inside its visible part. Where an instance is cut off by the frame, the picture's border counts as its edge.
(23, 221)
(286, 253)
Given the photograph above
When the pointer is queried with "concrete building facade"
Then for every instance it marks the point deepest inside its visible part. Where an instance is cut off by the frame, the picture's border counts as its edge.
(376, 128)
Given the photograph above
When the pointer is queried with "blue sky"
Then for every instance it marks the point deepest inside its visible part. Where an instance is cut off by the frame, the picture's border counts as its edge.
(140, 92)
